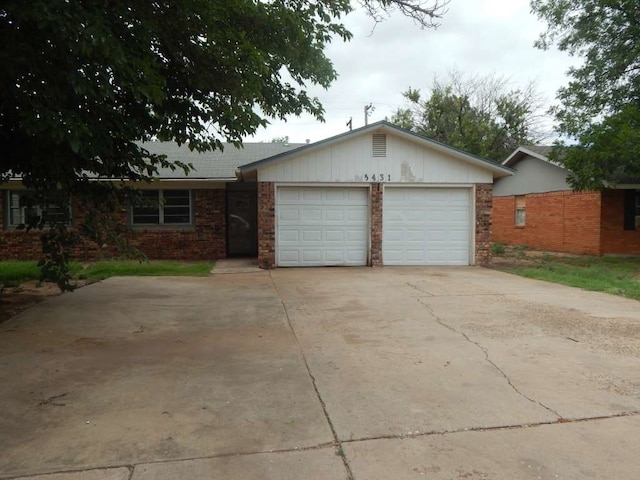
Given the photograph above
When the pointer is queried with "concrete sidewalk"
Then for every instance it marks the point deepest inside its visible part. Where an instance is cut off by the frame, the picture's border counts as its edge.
(334, 373)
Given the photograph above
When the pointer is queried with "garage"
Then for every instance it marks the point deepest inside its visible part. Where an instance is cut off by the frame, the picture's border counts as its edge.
(377, 195)
(322, 226)
(426, 226)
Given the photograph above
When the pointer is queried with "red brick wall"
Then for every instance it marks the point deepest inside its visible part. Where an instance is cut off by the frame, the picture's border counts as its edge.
(615, 239)
(563, 221)
(484, 202)
(206, 240)
(376, 225)
(266, 225)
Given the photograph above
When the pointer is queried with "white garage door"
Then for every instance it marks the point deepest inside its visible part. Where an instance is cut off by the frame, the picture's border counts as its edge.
(317, 226)
(426, 226)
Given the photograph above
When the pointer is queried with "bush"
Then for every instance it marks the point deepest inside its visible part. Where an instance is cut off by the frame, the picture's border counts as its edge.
(497, 248)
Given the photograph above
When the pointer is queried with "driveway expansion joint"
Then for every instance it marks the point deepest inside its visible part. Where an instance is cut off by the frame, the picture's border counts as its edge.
(559, 421)
(336, 439)
(485, 351)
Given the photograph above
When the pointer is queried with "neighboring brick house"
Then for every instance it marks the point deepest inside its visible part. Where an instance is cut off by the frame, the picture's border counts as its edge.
(537, 207)
(378, 195)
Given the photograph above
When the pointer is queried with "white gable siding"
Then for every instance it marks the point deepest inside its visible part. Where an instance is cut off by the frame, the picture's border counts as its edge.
(352, 161)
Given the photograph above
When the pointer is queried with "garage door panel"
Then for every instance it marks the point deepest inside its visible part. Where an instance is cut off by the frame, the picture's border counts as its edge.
(334, 215)
(334, 236)
(332, 226)
(313, 195)
(288, 235)
(426, 226)
(310, 256)
(288, 214)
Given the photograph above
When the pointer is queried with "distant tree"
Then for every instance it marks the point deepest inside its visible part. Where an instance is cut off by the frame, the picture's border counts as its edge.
(477, 114)
(284, 139)
(599, 109)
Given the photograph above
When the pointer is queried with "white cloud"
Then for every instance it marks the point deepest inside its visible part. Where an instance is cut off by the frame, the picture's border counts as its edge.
(475, 37)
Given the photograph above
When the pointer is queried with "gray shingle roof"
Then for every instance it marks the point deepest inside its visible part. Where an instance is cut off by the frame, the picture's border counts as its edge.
(219, 164)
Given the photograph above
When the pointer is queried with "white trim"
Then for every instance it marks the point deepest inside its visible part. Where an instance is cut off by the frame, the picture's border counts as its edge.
(428, 185)
(322, 184)
(474, 222)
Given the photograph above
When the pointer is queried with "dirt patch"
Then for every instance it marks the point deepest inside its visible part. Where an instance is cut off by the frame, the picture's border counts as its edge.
(515, 256)
(16, 299)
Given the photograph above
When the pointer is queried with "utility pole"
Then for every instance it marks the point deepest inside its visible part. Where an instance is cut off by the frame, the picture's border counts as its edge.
(350, 123)
(367, 109)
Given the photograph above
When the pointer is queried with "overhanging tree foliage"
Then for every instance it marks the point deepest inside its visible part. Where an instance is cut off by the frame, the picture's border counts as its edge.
(83, 82)
(600, 107)
(477, 114)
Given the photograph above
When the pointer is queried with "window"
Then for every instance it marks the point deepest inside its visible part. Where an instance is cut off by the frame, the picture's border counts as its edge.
(25, 208)
(163, 207)
(631, 209)
(521, 210)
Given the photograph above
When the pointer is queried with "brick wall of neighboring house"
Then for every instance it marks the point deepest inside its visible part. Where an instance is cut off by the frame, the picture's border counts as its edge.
(205, 240)
(376, 225)
(266, 225)
(563, 221)
(615, 239)
(484, 202)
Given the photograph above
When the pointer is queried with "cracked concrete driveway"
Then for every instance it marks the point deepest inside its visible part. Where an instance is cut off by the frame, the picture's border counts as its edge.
(359, 373)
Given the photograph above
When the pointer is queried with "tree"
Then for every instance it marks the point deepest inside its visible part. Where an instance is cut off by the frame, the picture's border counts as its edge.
(83, 82)
(476, 114)
(599, 109)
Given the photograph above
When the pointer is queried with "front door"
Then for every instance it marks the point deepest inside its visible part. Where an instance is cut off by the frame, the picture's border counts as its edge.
(242, 223)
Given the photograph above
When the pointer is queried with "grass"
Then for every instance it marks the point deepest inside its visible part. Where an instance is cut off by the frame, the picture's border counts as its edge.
(614, 275)
(112, 268)
(15, 272)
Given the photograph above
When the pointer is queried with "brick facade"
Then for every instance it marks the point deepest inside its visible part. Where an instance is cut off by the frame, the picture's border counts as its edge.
(615, 239)
(562, 221)
(204, 240)
(484, 204)
(266, 225)
(376, 225)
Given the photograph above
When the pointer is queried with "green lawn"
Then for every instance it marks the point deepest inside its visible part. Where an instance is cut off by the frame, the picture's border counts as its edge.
(614, 275)
(14, 272)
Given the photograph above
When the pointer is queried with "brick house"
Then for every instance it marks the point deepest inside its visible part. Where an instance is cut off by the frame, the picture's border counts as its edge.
(378, 195)
(537, 207)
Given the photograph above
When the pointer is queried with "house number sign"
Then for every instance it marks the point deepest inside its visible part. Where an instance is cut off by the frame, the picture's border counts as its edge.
(377, 177)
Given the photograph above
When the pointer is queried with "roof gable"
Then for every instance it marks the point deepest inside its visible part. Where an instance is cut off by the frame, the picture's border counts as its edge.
(535, 173)
(540, 152)
(383, 127)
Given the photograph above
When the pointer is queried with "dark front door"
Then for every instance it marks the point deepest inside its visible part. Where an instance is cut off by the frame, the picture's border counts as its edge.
(242, 223)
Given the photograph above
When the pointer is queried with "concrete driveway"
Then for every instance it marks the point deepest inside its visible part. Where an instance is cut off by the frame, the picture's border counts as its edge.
(359, 373)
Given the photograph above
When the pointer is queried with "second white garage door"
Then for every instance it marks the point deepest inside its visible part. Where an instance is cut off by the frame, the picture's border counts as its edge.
(426, 226)
(318, 226)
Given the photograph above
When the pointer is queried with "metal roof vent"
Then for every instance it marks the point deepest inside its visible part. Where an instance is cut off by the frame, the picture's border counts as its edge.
(379, 144)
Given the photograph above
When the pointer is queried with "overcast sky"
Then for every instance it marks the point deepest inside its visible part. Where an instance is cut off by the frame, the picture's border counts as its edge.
(477, 37)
